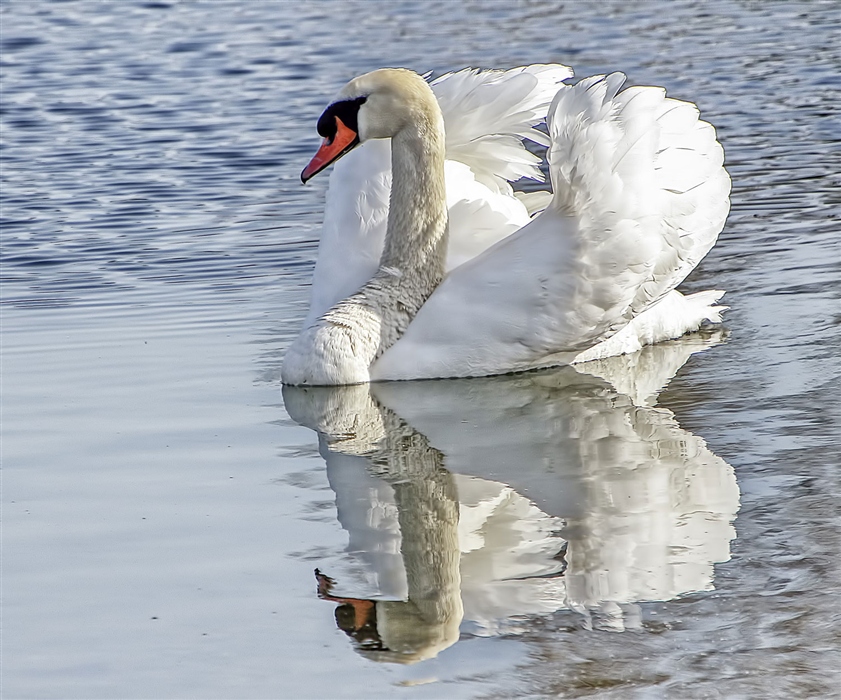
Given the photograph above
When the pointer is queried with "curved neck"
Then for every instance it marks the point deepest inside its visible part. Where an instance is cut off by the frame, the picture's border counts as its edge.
(415, 248)
(412, 263)
(416, 234)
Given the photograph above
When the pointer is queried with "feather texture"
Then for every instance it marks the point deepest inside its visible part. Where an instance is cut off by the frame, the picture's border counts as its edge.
(640, 195)
(486, 116)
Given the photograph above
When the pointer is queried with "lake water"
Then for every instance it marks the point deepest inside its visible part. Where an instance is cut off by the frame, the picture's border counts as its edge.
(663, 526)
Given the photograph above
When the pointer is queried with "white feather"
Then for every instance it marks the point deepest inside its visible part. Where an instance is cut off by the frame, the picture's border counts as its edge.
(639, 197)
(486, 116)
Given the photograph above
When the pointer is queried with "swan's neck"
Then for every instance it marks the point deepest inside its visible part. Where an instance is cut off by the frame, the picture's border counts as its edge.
(415, 241)
(415, 248)
(343, 344)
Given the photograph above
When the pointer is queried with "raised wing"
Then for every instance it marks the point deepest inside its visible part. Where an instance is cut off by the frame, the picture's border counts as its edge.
(486, 116)
(644, 178)
(640, 196)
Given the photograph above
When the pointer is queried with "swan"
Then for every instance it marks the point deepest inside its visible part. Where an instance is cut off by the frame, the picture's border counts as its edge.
(431, 266)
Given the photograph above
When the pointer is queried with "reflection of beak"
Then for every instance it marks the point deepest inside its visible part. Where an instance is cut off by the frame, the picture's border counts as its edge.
(331, 149)
(364, 611)
(356, 617)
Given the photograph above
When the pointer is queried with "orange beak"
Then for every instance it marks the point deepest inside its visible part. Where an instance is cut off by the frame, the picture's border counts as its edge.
(331, 149)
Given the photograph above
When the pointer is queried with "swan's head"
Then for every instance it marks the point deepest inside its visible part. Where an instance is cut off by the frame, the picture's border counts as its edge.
(377, 105)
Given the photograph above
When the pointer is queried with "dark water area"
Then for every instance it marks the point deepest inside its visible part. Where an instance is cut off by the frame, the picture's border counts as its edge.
(662, 526)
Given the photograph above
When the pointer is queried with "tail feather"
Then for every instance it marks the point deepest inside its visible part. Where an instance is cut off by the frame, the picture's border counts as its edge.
(704, 306)
(673, 316)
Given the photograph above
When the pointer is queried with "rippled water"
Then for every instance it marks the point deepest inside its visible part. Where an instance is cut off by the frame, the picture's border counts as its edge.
(558, 534)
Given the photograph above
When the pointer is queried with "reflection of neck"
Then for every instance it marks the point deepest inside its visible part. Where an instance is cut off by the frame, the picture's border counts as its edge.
(351, 421)
(354, 423)
(427, 507)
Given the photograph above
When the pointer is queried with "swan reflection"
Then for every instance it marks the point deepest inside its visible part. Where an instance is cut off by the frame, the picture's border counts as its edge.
(474, 504)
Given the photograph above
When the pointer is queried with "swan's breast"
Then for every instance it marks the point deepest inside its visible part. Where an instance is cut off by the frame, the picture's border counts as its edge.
(332, 352)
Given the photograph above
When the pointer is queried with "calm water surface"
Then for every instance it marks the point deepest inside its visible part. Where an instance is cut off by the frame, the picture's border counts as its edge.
(661, 526)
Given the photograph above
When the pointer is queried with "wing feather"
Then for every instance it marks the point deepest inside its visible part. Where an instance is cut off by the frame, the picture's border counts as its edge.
(640, 196)
(487, 114)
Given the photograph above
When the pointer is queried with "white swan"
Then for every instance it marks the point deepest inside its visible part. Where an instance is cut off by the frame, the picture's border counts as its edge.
(448, 276)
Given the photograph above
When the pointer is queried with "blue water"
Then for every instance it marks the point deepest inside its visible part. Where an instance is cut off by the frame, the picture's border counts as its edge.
(165, 504)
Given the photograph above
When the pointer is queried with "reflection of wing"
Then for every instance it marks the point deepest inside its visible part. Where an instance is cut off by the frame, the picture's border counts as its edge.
(642, 375)
(366, 510)
(511, 556)
(648, 507)
(518, 430)
(568, 493)
(487, 114)
(516, 421)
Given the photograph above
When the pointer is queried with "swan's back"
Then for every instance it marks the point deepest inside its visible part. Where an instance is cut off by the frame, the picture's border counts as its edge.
(640, 197)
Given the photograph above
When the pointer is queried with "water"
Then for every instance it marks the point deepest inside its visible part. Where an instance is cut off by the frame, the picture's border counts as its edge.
(165, 504)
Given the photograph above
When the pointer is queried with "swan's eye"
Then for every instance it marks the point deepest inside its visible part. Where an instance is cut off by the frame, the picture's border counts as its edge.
(346, 110)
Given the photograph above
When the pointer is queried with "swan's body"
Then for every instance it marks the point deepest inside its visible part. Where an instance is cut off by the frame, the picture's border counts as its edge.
(431, 266)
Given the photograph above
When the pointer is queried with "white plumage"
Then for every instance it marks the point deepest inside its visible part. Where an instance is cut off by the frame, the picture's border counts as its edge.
(639, 197)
